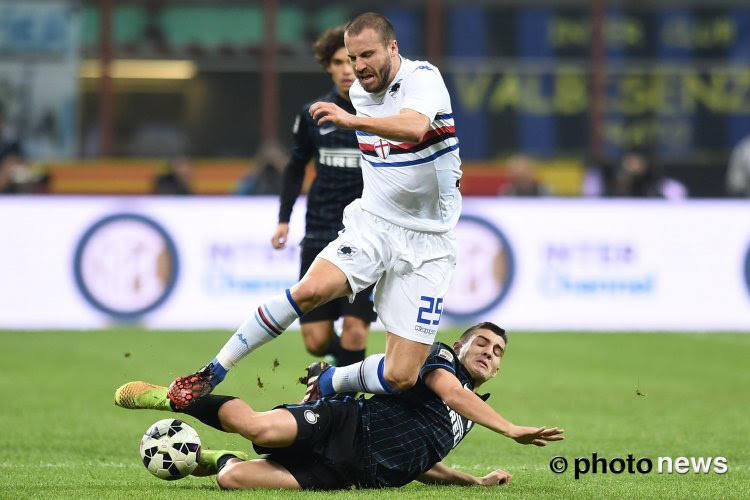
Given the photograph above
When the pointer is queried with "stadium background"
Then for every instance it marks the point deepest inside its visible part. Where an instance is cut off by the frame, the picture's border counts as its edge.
(574, 84)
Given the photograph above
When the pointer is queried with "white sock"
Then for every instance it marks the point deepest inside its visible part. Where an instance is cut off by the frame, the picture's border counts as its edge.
(365, 376)
(267, 322)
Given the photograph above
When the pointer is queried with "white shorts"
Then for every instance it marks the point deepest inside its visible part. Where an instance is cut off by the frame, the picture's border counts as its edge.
(412, 269)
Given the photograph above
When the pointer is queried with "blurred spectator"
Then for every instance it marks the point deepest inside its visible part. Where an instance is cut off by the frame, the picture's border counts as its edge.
(178, 179)
(267, 177)
(738, 174)
(636, 178)
(9, 143)
(523, 180)
(13, 170)
(12, 174)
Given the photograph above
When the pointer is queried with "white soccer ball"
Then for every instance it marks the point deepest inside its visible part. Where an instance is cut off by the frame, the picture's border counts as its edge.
(170, 449)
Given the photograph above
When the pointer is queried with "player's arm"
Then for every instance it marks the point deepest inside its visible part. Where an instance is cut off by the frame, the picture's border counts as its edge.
(407, 126)
(469, 405)
(444, 475)
(294, 175)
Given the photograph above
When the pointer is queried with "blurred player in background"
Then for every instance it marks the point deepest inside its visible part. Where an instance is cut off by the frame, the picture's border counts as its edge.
(337, 183)
(383, 441)
(398, 235)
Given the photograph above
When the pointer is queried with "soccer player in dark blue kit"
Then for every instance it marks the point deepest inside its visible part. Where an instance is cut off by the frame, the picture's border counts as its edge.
(337, 183)
(384, 441)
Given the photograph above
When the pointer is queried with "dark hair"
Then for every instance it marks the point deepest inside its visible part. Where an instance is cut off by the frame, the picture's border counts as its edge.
(485, 325)
(374, 21)
(327, 44)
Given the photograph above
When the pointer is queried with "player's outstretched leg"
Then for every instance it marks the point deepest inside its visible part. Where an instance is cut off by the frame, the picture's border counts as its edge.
(322, 283)
(211, 461)
(142, 396)
(267, 322)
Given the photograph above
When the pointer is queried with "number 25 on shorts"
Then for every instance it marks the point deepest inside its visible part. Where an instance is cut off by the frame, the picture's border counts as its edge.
(432, 308)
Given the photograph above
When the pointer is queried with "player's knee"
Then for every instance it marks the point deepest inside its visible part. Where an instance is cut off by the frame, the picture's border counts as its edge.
(400, 381)
(316, 347)
(354, 330)
(309, 294)
(229, 477)
(256, 429)
(317, 337)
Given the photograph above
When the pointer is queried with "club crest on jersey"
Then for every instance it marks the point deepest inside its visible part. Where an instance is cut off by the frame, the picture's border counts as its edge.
(346, 250)
(382, 148)
(446, 355)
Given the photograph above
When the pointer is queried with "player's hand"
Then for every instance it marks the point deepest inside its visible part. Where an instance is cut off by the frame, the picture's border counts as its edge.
(538, 436)
(325, 112)
(495, 477)
(278, 240)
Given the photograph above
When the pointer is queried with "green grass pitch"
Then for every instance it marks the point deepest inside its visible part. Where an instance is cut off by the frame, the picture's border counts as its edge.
(649, 395)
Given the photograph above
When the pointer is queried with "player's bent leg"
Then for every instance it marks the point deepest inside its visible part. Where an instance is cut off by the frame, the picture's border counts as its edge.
(317, 336)
(353, 341)
(260, 473)
(321, 283)
(354, 333)
(271, 429)
(403, 360)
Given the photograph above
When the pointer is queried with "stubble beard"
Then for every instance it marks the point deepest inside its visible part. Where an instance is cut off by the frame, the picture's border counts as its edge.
(384, 73)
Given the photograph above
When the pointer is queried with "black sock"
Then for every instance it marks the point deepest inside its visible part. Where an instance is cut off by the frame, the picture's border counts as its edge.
(206, 409)
(221, 462)
(347, 357)
(334, 346)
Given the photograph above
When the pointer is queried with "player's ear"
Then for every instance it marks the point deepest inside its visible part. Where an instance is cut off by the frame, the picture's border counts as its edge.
(457, 346)
(394, 47)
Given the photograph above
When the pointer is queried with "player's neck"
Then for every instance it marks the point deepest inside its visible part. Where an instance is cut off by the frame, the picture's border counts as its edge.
(344, 94)
(395, 68)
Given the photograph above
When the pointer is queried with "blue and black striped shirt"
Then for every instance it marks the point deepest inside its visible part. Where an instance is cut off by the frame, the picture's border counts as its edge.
(407, 434)
(338, 179)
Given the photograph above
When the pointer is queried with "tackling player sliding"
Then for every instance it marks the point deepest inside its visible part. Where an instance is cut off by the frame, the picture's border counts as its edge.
(398, 235)
(383, 441)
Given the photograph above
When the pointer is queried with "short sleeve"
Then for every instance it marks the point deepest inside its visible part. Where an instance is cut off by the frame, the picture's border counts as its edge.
(441, 356)
(425, 92)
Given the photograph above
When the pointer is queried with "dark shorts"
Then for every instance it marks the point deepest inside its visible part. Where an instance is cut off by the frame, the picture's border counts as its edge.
(361, 307)
(327, 447)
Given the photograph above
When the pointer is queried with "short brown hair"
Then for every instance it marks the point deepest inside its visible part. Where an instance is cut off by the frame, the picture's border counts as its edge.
(485, 325)
(372, 20)
(327, 44)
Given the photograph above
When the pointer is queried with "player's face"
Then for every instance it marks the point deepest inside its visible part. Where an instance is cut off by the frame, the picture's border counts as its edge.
(372, 59)
(341, 72)
(481, 356)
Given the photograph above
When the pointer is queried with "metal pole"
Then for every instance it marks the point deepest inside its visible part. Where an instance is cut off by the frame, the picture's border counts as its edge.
(106, 126)
(270, 76)
(598, 65)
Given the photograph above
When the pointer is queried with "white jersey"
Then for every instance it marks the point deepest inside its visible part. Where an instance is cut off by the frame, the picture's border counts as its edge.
(413, 185)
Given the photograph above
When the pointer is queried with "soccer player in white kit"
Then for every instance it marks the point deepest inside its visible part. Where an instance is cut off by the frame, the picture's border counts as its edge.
(397, 235)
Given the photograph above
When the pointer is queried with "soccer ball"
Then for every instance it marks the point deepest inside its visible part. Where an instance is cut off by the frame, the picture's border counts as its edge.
(170, 449)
